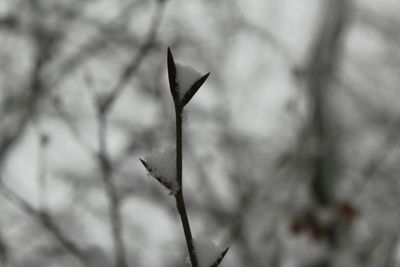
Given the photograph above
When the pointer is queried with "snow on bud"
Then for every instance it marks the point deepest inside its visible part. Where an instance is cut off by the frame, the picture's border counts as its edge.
(162, 166)
(184, 81)
(207, 253)
(186, 76)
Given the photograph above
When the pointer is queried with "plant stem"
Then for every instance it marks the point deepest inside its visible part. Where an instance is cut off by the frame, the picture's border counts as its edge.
(180, 202)
(178, 115)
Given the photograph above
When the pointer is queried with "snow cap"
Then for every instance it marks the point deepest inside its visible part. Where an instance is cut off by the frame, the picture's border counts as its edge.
(186, 76)
(184, 81)
(207, 253)
(162, 166)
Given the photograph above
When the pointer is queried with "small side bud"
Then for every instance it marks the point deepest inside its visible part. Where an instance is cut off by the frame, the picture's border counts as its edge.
(162, 167)
(221, 257)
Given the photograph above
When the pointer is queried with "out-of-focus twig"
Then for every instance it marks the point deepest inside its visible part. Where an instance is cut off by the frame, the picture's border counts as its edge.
(35, 90)
(322, 64)
(134, 64)
(114, 207)
(44, 46)
(46, 221)
(103, 106)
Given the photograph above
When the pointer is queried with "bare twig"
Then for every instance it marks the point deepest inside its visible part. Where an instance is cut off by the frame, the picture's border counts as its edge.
(180, 202)
(36, 89)
(321, 68)
(134, 64)
(181, 97)
(114, 208)
(105, 163)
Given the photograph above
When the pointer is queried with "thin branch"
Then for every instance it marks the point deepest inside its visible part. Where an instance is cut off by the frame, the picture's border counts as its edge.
(132, 67)
(180, 202)
(114, 208)
(105, 162)
(322, 64)
(36, 89)
(179, 105)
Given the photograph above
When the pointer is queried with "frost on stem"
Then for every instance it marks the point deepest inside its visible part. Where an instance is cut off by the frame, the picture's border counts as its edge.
(208, 254)
(162, 166)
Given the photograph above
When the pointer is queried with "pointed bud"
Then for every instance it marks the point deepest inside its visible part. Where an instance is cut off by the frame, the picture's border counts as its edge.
(172, 76)
(162, 167)
(184, 81)
(220, 258)
(208, 254)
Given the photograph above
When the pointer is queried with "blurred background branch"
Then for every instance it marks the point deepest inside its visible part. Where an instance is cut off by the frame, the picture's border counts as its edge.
(291, 155)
